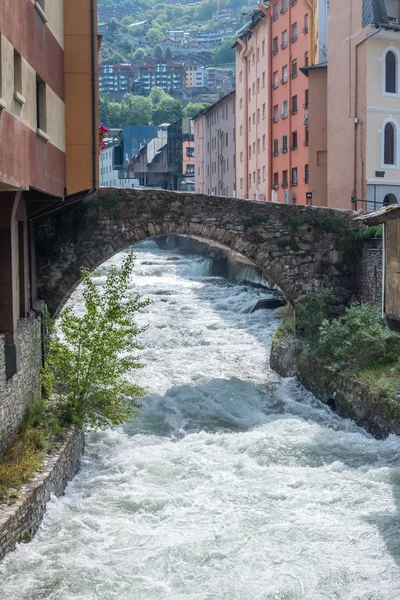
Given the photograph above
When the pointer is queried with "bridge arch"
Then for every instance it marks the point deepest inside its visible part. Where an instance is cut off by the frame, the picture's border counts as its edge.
(297, 247)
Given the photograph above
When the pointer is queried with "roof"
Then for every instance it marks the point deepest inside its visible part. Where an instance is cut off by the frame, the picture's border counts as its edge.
(320, 66)
(206, 110)
(256, 17)
(374, 12)
(387, 213)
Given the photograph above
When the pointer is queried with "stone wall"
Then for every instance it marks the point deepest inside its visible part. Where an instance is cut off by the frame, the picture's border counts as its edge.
(17, 393)
(19, 522)
(346, 395)
(370, 275)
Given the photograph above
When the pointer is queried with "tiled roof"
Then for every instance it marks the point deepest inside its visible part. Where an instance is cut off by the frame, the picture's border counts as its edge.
(386, 213)
(374, 11)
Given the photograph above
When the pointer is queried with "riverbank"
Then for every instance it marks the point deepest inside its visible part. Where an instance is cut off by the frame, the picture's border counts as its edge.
(20, 520)
(347, 393)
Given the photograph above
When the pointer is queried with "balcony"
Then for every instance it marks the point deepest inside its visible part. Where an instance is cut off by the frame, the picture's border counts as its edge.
(283, 10)
(284, 184)
(293, 38)
(305, 30)
(275, 51)
(275, 85)
(284, 45)
(284, 80)
(275, 119)
(274, 17)
(284, 115)
(293, 111)
(284, 150)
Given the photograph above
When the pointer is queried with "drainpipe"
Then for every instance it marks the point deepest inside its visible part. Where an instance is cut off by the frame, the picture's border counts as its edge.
(243, 58)
(358, 44)
(311, 41)
(266, 12)
(94, 95)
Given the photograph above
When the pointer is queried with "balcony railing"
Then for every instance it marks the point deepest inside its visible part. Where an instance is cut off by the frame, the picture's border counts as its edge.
(275, 153)
(293, 38)
(305, 105)
(275, 51)
(293, 75)
(284, 150)
(284, 80)
(305, 143)
(293, 111)
(275, 186)
(293, 183)
(275, 85)
(305, 30)
(274, 17)
(306, 180)
(285, 184)
(284, 115)
(275, 119)
(283, 10)
(293, 2)
(293, 147)
(284, 45)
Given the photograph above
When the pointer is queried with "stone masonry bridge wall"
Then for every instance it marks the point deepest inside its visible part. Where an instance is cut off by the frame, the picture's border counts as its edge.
(300, 248)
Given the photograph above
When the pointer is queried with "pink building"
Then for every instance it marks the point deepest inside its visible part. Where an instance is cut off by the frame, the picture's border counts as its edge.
(272, 104)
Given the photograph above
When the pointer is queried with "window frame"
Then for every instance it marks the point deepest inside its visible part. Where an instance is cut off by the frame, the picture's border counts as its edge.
(396, 140)
(391, 48)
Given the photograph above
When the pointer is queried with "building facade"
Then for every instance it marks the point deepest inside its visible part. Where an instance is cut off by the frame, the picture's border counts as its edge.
(214, 148)
(116, 79)
(109, 175)
(168, 75)
(196, 77)
(48, 135)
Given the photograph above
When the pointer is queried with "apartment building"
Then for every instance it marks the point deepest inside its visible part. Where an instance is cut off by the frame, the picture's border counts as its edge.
(289, 100)
(196, 77)
(116, 79)
(48, 134)
(214, 148)
(168, 75)
(354, 146)
(109, 175)
(253, 124)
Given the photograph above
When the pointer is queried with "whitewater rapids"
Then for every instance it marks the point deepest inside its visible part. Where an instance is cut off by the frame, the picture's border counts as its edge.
(234, 484)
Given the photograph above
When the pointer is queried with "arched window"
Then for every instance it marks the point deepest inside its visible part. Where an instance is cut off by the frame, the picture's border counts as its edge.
(389, 199)
(389, 144)
(390, 73)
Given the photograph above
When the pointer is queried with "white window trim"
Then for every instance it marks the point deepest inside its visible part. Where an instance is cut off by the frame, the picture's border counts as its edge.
(396, 52)
(396, 143)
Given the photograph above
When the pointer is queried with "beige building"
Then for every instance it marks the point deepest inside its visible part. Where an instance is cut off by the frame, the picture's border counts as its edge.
(214, 142)
(361, 167)
(253, 122)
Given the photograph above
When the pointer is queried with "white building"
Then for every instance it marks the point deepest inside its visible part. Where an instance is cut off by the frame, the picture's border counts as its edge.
(109, 177)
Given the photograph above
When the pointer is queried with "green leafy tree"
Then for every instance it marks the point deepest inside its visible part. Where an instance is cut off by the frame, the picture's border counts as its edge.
(224, 53)
(168, 53)
(139, 54)
(193, 108)
(137, 110)
(157, 94)
(154, 36)
(157, 51)
(168, 110)
(90, 357)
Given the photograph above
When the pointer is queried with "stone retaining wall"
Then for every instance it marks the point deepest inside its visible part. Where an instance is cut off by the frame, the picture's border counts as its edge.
(370, 275)
(17, 393)
(346, 395)
(20, 521)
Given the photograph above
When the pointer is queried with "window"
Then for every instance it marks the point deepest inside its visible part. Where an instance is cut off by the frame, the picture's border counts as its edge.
(226, 139)
(241, 103)
(390, 73)
(276, 113)
(254, 88)
(249, 123)
(275, 45)
(258, 84)
(306, 59)
(264, 111)
(284, 143)
(305, 30)
(258, 115)
(250, 151)
(294, 68)
(241, 76)
(284, 6)
(284, 109)
(306, 173)
(294, 140)
(284, 74)
(276, 180)
(284, 39)
(275, 11)
(249, 94)
(294, 32)
(263, 79)
(258, 176)
(258, 145)
(275, 147)
(241, 156)
(17, 72)
(258, 53)
(305, 105)
(254, 147)
(249, 179)
(254, 118)
(276, 80)
(253, 59)
(241, 130)
(263, 142)
(41, 114)
(284, 178)
(263, 47)
(241, 183)
(306, 137)
(294, 176)
(389, 144)
(254, 176)
(294, 105)
(264, 173)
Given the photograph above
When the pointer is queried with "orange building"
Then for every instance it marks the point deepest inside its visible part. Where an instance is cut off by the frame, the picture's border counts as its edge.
(48, 134)
(272, 103)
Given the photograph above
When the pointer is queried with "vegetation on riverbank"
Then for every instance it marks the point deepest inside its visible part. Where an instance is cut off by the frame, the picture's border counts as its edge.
(23, 456)
(358, 343)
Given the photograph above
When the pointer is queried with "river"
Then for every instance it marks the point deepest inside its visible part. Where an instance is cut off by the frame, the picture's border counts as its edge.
(233, 485)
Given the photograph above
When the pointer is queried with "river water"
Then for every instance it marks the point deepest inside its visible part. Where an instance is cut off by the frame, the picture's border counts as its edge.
(233, 485)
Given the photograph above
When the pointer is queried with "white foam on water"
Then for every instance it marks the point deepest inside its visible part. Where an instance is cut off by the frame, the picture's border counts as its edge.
(233, 484)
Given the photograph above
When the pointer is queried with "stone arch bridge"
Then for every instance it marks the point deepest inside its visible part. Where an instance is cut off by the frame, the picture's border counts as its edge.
(300, 248)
